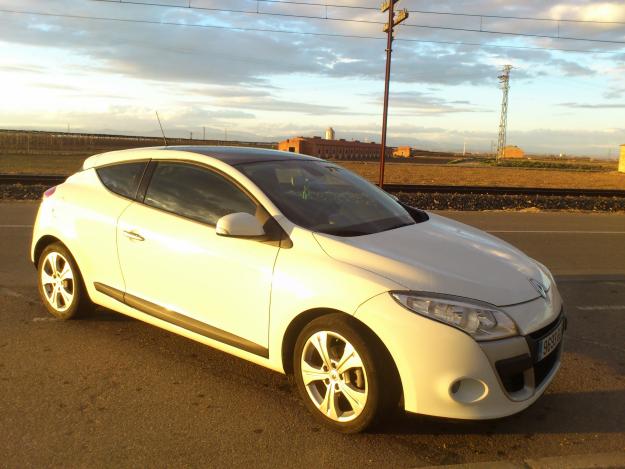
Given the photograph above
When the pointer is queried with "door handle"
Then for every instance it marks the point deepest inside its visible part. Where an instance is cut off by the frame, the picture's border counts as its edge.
(134, 236)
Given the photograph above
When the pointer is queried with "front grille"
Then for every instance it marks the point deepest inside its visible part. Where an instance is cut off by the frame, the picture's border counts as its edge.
(540, 333)
(511, 371)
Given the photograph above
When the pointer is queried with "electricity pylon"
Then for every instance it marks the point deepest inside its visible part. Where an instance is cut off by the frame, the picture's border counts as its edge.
(504, 79)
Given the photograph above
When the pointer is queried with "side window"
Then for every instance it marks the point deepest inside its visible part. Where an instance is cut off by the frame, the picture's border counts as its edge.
(123, 179)
(195, 193)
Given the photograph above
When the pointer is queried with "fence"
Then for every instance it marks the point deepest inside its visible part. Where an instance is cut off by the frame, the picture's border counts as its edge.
(32, 142)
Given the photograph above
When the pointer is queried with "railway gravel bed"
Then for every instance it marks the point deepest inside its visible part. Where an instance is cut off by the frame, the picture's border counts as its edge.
(447, 201)
(427, 201)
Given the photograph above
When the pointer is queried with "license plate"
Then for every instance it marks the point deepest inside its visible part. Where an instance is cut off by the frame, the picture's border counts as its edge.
(551, 342)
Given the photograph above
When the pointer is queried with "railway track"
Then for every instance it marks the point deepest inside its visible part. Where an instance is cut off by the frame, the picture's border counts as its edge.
(31, 179)
(393, 188)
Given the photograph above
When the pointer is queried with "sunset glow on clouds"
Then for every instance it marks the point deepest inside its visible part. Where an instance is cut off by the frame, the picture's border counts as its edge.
(108, 76)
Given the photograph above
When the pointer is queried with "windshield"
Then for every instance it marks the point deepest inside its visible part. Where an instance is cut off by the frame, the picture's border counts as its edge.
(324, 197)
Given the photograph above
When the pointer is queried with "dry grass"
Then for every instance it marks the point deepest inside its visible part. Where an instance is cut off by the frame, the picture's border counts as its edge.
(397, 173)
(452, 175)
(41, 164)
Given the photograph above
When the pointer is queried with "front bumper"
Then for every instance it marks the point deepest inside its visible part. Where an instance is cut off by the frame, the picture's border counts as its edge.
(446, 373)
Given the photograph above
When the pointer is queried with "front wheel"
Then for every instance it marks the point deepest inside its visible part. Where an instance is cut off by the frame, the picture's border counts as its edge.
(60, 284)
(342, 374)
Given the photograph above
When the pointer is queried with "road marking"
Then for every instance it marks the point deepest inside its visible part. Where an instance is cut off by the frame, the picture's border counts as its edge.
(556, 231)
(594, 342)
(42, 319)
(16, 226)
(600, 307)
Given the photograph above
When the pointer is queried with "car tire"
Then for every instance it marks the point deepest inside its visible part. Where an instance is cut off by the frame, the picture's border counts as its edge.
(60, 283)
(344, 374)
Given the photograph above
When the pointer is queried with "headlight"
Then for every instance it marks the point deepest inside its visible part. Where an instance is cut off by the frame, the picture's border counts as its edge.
(481, 320)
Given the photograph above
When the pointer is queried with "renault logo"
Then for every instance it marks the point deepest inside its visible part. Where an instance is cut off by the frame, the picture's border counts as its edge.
(539, 287)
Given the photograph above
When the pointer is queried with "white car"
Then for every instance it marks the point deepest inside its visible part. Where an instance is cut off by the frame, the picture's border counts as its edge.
(300, 266)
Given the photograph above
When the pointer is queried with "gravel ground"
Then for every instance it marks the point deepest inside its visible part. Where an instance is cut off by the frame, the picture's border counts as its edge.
(22, 192)
(430, 201)
(436, 201)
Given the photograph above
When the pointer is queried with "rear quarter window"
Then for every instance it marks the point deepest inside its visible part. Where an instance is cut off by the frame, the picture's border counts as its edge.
(122, 178)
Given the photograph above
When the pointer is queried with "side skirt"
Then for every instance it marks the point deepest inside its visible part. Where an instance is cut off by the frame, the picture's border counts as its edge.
(181, 320)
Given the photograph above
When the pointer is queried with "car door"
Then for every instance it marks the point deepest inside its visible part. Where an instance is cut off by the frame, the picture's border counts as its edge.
(101, 198)
(177, 268)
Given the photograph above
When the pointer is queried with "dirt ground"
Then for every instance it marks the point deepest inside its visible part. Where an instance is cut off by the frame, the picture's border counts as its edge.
(452, 175)
(395, 173)
(41, 164)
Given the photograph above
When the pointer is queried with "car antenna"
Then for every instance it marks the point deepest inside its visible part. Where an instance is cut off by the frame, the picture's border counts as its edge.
(161, 126)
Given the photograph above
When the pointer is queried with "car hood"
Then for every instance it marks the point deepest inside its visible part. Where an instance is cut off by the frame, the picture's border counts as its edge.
(442, 256)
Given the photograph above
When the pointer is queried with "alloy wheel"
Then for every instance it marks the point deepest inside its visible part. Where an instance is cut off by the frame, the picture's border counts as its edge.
(334, 376)
(57, 280)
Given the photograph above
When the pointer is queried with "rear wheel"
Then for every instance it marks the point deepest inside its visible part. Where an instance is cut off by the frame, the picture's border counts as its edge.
(60, 284)
(341, 374)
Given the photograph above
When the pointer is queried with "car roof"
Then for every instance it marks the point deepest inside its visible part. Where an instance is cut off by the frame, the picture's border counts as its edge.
(229, 155)
(239, 155)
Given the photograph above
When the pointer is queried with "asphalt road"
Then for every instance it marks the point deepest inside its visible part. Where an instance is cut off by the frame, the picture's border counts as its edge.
(109, 391)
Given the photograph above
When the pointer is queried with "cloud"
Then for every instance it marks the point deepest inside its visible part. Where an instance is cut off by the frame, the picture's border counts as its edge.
(203, 76)
(614, 93)
(231, 57)
(572, 69)
(21, 68)
(273, 104)
(593, 105)
(417, 103)
(56, 86)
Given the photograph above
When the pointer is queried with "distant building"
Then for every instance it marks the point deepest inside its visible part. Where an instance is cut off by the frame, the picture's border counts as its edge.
(402, 152)
(621, 161)
(512, 151)
(329, 133)
(342, 149)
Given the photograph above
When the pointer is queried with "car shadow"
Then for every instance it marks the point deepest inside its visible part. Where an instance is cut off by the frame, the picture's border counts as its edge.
(589, 411)
(101, 314)
(575, 412)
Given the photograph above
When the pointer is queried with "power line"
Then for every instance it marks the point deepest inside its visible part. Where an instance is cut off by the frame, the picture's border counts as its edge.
(426, 12)
(525, 18)
(347, 20)
(303, 33)
(189, 25)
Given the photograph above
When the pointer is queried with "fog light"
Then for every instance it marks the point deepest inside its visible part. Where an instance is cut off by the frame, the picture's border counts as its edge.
(468, 390)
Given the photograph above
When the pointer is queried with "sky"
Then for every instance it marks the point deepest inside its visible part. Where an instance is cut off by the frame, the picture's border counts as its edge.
(107, 66)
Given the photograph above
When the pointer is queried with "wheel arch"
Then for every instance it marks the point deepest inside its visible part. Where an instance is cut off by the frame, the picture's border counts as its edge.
(41, 244)
(299, 323)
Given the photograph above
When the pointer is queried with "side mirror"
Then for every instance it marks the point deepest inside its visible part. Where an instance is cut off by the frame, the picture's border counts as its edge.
(239, 225)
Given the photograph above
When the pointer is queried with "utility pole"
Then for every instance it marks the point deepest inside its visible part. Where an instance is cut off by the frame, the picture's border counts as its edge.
(504, 79)
(203, 133)
(464, 148)
(388, 5)
(190, 135)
